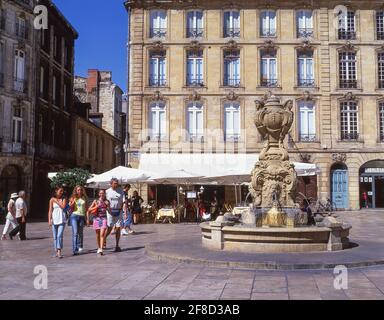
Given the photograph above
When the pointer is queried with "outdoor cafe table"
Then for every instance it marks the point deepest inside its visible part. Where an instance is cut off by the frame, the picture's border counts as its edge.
(240, 210)
(167, 213)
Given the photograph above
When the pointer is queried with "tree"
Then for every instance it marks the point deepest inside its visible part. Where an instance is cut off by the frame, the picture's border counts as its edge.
(71, 178)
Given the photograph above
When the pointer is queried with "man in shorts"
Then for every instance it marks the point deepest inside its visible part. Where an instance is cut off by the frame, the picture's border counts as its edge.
(115, 196)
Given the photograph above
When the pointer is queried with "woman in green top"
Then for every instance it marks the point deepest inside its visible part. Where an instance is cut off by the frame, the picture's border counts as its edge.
(78, 205)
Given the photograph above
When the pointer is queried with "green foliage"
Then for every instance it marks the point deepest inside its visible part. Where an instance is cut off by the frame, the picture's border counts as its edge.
(71, 178)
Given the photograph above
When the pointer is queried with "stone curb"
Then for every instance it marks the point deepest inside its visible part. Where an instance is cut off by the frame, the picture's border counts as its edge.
(166, 257)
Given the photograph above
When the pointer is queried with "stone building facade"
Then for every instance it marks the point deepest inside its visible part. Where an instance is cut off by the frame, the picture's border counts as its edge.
(196, 68)
(54, 76)
(17, 97)
(105, 98)
(94, 147)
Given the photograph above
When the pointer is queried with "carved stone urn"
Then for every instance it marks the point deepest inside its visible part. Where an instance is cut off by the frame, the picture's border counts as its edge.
(274, 177)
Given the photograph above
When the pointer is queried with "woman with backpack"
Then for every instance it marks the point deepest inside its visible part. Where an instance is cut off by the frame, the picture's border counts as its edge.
(99, 209)
(57, 219)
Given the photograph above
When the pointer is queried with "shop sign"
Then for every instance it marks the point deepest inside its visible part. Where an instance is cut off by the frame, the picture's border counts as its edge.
(374, 170)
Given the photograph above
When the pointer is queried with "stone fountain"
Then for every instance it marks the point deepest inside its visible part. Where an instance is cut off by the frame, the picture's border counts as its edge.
(274, 222)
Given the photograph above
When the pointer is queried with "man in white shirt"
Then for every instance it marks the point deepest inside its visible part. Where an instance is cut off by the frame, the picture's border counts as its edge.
(21, 214)
(115, 196)
(11, 216)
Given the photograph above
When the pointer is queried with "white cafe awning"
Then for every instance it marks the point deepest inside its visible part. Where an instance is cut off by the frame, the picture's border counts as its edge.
(211, 165)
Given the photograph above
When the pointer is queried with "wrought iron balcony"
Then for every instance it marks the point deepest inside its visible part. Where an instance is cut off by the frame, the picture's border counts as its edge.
(231, 82)
(305, 32)
(195, 82)
(380, 35)
(307, 137)
(269, 82)
(8, 146)
(349, 136)
(268, 33)
(232, 32)
(157, 82)
(347, 34)
(195, 32)
(158, 32)
(22, 31)
(306, 82)
(20, 85)
(348, 84)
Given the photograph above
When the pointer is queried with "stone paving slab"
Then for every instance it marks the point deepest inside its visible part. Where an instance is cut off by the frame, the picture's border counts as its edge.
(132, 275)
(365, 250)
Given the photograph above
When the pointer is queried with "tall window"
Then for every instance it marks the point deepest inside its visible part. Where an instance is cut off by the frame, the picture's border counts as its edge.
(348, 76)
(2, 64)
(195, 117)
(40, 128)
(195, 68)
(54, 90)
(232, 68)
(21, 28)
(268, 23)
(158, 24)
(65, 93)
(2, 19)
(17, 124)
(380, 25)
(381, 69)
(157, 120)
(195, 26)
(157, 76)
(232, 24)
(268, 68)
(88, 145)
(347, 26)
(304, 23)
(305, 67)
(19, 71)
(381, 120)
(232, 121)
(349, 121)
(307, 123)
(42, 73)
(53, 132)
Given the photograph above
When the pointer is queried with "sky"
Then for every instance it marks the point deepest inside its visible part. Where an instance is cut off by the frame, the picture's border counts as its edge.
(102, 28)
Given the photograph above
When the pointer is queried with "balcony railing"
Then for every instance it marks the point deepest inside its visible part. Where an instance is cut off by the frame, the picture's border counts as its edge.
(158, 32)
(195, 32)
(307, 137)
(21, 31)
(157, 82)
(269, 82)
(305, 32)
(347, 34)
(232, 82)
(20, 85)
(232, 32)
(195, 82)
(1, 80)
(348, 84)
(306, 82)
(349, 136)
(380, 35)
(8, 146)
(268, 33)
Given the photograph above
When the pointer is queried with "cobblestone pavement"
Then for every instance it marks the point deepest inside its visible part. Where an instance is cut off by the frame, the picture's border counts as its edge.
(132, 275)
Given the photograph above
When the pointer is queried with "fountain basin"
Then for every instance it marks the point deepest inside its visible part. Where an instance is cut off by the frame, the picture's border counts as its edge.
(228, 236)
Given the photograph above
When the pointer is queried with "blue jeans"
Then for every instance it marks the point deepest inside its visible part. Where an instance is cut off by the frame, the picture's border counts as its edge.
(77, 223)
(58, 231)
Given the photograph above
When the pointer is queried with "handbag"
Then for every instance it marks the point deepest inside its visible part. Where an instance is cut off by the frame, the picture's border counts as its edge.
(94, 211)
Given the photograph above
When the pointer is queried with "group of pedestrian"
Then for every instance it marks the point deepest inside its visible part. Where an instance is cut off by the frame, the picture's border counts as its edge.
(110, 213)
(16, 217)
